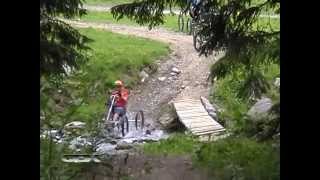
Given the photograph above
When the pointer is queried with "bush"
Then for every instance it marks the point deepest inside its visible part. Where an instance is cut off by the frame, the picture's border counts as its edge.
(239, 158)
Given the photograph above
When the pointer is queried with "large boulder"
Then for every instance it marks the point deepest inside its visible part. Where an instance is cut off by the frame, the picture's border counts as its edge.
(260, 109)
(168, 117)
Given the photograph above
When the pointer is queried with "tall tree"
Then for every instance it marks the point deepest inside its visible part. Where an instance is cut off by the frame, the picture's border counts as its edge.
(61, 46)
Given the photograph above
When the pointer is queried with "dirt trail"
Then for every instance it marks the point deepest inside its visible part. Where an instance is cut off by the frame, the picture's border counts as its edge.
(190, 83)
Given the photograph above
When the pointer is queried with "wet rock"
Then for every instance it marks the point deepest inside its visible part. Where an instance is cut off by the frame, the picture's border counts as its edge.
(162, 78)
(105, 147)
(75, 125)
(124, 145)
(143, 75)
(168, 117)
(260, 109)
(148, 131)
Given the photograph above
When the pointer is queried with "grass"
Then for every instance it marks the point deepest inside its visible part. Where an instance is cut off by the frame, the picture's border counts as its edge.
(176, 144)
(240, 157)
(106, 2)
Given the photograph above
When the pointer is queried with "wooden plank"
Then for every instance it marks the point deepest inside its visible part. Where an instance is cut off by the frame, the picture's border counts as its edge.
(187, 100)
(191, 112)
(207, 129)
(209, 132)
(188, 105)
(198, 123)
(202, 126)
(185, 108)
(196, 119)
(196, 108)
(187, 115)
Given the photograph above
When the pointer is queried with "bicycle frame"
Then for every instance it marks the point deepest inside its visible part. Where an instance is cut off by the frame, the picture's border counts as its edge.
(111, 106)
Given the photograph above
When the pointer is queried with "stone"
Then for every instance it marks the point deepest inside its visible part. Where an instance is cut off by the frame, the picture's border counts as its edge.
(260, 109)
(143, 75)
(183, 87)
(123, 145)
(175, 70)
(168, 117)
(75, 125)
(105, 147)
(173, 74)
(162, 78)
(212, 111)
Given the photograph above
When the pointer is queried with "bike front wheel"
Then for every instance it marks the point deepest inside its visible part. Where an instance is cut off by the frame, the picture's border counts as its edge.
(139, 120)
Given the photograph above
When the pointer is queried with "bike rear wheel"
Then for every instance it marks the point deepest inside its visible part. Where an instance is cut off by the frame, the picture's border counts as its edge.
(139, 120)
(124, 125)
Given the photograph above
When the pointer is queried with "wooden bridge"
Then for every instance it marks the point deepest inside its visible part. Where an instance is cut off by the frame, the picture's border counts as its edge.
(195, 118)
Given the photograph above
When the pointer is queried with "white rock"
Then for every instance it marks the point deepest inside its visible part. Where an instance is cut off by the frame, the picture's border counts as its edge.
(75, 125)
(183, 87)
(162, 78)
(143, 76)
(175, 70)
(173, 74)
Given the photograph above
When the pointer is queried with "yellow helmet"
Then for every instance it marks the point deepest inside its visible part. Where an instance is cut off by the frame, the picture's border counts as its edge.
(118, 83)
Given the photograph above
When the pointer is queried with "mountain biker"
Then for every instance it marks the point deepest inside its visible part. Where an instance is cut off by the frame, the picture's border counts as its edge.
(121, 95)
(195, 7)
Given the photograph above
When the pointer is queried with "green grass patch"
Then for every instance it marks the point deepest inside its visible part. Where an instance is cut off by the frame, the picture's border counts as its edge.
(177, 144)
(238, 157)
